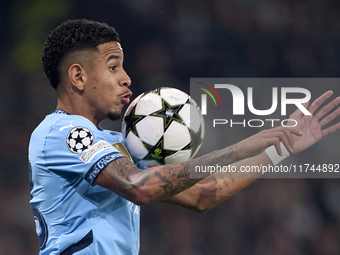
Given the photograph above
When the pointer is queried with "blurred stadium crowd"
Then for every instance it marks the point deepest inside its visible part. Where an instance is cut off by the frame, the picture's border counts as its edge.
(165, 43)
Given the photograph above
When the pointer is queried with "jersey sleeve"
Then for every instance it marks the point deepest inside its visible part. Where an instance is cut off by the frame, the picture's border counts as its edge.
(76, 147)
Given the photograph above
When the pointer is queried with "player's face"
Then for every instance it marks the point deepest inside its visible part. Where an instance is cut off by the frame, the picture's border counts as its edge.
(107, 84)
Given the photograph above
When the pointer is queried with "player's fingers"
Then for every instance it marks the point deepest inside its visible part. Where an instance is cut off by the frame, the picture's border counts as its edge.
(286, 130)
(306, 105)
(294, 131)
(298, 112)
(286, 143)
(330, 130)
(276, 143)
(289, 132)
(327, 119)
(282, 136)
(319, 101)
(327, 108)
(290, 138)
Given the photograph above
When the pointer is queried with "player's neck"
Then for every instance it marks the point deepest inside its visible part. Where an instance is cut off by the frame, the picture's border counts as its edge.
(74, 108)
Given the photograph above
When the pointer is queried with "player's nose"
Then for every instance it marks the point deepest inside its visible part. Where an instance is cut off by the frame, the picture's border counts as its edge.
(125, 80)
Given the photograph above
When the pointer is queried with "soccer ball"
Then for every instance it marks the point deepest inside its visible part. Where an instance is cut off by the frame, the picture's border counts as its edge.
(163, 126)
(79, 139)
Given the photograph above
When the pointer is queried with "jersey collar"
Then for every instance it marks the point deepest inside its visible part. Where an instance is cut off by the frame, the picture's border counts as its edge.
(58, 111)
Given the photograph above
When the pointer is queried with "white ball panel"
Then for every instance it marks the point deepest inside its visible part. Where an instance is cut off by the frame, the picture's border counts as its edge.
(179, 156)
(150, 129)
(148, 104)
(133, 103)
(176, 136)
(135, 146)
(174, 96)
(191, 117)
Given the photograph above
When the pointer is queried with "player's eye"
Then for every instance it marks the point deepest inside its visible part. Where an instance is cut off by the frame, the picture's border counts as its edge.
(112, 68)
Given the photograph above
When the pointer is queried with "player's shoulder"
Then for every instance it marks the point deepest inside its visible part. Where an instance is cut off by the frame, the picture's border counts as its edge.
(59, 129)
(57, 126)
(55, 122)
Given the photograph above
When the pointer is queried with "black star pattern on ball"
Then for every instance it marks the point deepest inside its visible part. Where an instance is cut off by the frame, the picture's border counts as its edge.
(196, 140)
(155, 91)
(157, 152)
(131, 120)
(169, 113)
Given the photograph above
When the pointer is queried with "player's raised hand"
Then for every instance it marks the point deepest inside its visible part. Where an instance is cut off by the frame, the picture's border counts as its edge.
(257, 143)
(311, 125)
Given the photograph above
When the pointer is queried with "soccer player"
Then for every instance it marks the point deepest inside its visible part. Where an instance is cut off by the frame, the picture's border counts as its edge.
(85, 189)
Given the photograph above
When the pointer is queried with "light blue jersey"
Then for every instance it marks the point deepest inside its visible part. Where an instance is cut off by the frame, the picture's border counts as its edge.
(72, 216)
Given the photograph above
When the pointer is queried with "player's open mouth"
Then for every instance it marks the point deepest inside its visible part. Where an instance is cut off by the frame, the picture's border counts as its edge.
(126, 98)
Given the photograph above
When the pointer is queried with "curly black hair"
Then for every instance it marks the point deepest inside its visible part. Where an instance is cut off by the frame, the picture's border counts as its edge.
(72, 36)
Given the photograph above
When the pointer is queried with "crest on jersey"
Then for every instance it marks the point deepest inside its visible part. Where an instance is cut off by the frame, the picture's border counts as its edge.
(121, 148)
(79, 139)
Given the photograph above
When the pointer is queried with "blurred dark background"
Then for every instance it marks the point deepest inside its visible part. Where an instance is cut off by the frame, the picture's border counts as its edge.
(165, 43)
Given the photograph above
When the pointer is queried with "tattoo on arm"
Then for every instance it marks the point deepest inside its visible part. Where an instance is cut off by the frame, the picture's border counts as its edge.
(126, 171)
(172, 178)
(174, 181)
(215, 177)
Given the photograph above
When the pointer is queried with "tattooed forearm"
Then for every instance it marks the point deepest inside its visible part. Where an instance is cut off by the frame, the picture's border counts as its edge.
(173, 181)
(159, 182)
(167, 185)
(221, 157)
(128, 175)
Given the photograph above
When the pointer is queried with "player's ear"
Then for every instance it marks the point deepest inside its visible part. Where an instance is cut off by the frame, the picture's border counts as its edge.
(77, 76)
